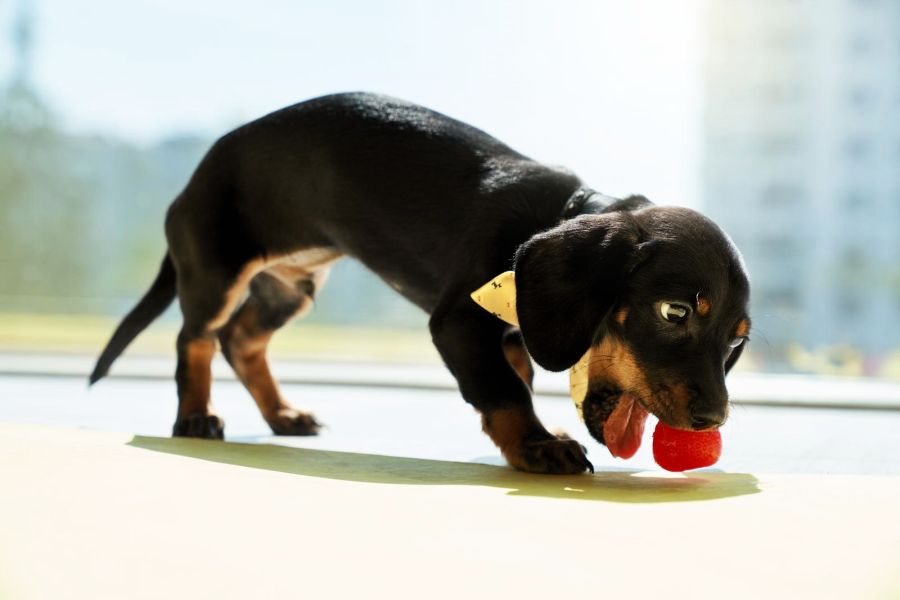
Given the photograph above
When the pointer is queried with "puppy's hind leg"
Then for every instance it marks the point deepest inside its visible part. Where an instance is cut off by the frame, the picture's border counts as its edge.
(207, 297)
(275, 298)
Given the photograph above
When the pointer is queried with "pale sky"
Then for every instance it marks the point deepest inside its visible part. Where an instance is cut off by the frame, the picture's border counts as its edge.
(610, 89)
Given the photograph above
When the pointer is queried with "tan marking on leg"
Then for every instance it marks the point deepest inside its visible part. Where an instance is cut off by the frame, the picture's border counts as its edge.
(508, 428)
(245, 339)
(235, 293)
(290, 277)
(248, 357)
(519, 360)
(196, 379)
(258, 378)
(527, 446)
(247, 346)
(289, 268)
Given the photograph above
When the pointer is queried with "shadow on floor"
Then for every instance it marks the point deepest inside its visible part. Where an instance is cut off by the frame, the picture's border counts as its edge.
(621, 486)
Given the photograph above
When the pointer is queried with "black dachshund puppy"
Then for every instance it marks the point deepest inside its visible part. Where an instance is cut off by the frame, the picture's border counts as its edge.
(654, 298)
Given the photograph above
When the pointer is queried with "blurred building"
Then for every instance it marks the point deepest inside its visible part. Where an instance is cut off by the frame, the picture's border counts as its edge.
(802, 166)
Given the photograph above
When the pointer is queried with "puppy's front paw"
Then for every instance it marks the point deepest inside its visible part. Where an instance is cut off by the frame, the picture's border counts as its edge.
(552, 455)
(290, 421)
(209, 427)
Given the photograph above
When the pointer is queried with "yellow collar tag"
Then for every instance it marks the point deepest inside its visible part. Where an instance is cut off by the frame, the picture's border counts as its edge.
(498, 297)
(578, 383)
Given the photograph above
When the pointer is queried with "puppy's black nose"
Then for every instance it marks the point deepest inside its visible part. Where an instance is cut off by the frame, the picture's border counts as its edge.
(706, 418)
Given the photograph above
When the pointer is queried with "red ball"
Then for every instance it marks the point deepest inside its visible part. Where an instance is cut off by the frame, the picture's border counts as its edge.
(680, 450)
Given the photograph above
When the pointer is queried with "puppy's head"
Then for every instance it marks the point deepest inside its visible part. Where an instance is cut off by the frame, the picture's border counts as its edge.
(653, 301)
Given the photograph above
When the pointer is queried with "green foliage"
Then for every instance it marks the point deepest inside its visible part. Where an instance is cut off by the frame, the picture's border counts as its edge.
(82, 215)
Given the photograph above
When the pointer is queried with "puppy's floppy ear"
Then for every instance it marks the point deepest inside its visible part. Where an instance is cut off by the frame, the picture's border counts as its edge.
(568, 279)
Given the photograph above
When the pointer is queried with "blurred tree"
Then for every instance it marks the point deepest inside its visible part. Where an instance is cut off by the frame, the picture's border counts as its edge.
(82, 215)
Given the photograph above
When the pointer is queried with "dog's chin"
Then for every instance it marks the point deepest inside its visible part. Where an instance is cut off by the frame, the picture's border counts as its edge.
(596, 408)
(615, 418)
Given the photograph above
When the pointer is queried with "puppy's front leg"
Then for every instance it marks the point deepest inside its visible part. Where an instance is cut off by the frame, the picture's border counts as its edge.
(471, 344)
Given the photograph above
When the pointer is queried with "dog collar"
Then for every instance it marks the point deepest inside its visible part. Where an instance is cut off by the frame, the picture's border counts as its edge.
(585, 201)
(498, 297)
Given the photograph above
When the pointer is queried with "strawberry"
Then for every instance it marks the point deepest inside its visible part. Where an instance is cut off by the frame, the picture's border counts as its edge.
(680, 450)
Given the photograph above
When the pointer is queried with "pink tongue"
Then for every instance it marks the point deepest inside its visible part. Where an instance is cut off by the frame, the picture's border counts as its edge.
(623, 429)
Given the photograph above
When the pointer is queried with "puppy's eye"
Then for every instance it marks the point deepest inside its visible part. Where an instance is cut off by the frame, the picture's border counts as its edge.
(674, 312)
(736, 342)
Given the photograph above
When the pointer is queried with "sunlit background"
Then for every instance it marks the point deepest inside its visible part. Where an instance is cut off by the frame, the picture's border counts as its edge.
(778, 118)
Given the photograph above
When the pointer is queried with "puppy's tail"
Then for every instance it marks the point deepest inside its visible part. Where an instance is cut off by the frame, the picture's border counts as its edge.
(154, 302)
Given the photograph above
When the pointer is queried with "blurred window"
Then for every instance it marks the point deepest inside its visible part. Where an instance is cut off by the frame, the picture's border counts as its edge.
(789, 140)
(858, 147)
